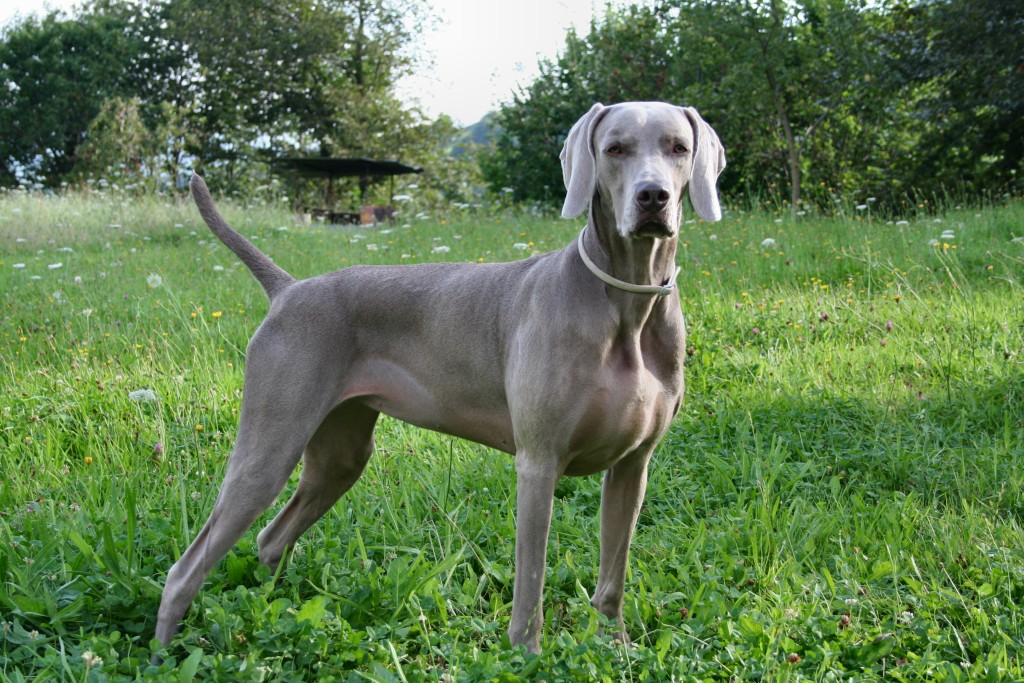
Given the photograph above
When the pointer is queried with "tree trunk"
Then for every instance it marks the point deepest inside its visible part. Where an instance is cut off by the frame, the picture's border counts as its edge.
(792, 149)
(765, 37)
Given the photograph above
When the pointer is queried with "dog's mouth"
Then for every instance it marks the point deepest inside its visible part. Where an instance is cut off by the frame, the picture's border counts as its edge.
(653, 226)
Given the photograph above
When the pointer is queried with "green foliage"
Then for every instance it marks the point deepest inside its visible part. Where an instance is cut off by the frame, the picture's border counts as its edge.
(225, 86)
(961, 58)
(606, 65)
(331, 69)
(117, 145)
(56, 75)
(813, 100)
(840, 497)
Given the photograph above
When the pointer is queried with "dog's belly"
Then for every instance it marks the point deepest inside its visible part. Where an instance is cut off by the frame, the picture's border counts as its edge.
(482, 426)
(476, 412)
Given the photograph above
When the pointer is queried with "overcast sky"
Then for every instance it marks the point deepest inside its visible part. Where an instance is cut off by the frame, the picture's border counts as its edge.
(481, 49)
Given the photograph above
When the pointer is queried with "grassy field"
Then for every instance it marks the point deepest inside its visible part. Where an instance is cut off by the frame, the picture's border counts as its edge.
(840, 497)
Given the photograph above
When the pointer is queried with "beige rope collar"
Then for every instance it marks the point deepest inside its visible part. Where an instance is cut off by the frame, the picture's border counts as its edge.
(660, 290)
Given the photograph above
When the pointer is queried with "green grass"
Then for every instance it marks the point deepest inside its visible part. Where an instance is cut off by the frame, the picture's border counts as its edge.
(839, 499)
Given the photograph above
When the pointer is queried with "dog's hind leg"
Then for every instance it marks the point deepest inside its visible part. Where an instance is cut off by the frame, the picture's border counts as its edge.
(275, 425)
(254, 478)
(334, 459)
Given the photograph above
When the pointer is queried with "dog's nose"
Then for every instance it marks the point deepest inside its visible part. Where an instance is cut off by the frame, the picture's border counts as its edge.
(652, 197)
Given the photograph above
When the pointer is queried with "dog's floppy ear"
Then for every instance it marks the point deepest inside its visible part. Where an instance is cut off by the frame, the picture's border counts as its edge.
(579, 167)
(708, 162)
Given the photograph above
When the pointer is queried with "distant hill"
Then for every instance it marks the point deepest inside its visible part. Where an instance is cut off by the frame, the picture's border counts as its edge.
(482, 132)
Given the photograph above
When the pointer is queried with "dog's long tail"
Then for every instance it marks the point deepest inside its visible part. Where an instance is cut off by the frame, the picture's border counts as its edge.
(269, 274)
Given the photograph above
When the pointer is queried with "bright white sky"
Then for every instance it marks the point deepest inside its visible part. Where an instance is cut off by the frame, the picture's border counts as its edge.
(481, 49)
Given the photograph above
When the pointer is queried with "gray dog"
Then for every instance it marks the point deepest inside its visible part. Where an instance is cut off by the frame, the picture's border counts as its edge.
(571, 361)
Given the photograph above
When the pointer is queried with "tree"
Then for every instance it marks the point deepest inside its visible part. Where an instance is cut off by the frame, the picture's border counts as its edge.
(622, 57)
(286, 68)
(118, 147)
(959, 63)
(812, 60)
(228, 83)
(56, 75)
(787, 85)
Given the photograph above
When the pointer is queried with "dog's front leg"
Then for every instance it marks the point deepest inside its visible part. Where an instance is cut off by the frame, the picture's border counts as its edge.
(535, 490)
(621, 498)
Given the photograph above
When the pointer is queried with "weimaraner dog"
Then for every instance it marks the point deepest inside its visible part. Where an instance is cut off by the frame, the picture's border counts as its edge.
(572, 361)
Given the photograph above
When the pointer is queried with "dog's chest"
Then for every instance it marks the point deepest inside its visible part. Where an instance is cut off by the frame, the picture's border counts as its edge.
(628, 408)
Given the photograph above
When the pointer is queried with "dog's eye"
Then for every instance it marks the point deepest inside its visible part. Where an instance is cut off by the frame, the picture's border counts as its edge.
(679, 148)
(614, 150)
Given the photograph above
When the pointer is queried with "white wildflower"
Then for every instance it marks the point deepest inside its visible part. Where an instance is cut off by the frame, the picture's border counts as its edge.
(372, 247)
(861, 207)
(218, 268)
(55, 266)
(142, 395)
(86, 312)
(440, 249)
(19, 266)
(520, 245)
(902, 223)
(768, 243)
(154, 280)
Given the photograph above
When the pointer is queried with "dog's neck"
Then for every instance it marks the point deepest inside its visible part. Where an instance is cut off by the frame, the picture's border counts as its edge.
(637, 260)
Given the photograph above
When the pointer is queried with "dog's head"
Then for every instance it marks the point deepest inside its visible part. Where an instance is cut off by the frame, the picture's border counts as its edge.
(638, 157)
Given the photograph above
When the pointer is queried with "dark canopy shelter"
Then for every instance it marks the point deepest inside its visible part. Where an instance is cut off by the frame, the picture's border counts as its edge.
(331, 168)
